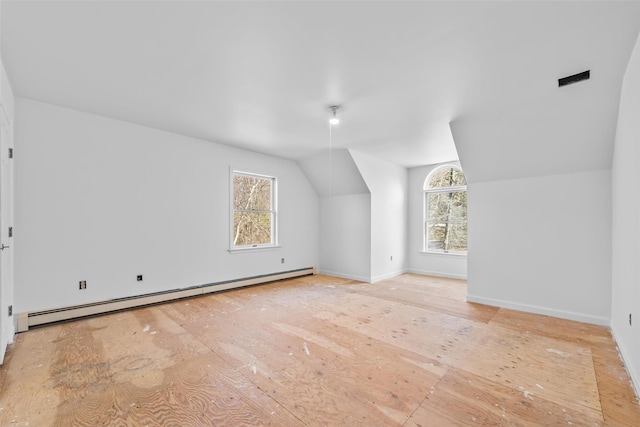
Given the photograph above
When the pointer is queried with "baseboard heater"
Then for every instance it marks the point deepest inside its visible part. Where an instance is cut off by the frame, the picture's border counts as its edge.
(35, 318)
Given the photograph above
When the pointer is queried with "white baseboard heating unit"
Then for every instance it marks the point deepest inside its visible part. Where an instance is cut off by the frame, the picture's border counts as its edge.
(35, 318)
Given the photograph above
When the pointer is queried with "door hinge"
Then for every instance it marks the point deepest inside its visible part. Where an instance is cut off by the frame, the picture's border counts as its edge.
(11, 153)
(10, 231)
(10, 310)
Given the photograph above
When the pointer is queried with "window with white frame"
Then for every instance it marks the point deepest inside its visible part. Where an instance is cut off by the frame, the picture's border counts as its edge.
(445, 211)
(254, 211)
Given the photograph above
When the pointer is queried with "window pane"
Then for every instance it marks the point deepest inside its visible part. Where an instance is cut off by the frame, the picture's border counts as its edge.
(447, 177)
(458, 206)
(447, 237)
(435, 236)
(251, 193)
(447, 206)
(438, 206)
(457, 238)
(252, 228)
(446, 211)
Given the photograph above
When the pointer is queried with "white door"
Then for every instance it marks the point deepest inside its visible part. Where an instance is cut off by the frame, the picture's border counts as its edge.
(6, 218)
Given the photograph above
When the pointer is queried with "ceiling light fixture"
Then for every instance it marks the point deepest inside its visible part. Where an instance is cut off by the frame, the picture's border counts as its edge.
(334, 120)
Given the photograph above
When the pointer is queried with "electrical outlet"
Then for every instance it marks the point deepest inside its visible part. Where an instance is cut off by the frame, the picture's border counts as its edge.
(281, 260)
(83, 284)
(10, 310)
(391, 258)
(139, 278)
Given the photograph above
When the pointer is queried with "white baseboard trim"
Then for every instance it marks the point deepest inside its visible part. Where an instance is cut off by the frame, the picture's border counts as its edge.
(387, 276)
(562, 314)
(28, 319)
(345, 275)
(9, 340)
(628, 362)
(438, 274)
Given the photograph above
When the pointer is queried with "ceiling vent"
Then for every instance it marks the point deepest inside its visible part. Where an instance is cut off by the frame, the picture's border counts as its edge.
(574, 78)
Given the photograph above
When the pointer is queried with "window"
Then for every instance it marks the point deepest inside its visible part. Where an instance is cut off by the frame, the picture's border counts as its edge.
(445, 211)
(254, 211)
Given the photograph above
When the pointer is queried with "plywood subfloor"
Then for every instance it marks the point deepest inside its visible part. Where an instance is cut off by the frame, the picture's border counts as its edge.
(318, 351)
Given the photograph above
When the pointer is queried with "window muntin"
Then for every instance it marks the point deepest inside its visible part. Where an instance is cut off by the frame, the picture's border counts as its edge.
(254, 211)
(445, 211)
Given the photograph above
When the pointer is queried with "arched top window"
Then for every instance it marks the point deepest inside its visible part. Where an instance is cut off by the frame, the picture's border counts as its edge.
(445, 176)
(445, 210)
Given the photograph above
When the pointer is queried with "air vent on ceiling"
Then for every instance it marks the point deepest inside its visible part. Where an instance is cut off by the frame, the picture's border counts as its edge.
(574, 78)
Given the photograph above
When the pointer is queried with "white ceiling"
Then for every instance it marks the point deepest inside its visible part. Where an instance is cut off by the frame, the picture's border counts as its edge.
(261, 75)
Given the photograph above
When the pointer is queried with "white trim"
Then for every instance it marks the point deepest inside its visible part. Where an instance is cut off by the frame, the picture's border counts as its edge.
(438, 274)
(231, 209)
(250, 174)
(345, 276)
(545, 311)
(452, 189)
(626, 359)
(387, 276)
(273, 211)
(443, 166)
(445, 254)
(426, 190)
(256, 248)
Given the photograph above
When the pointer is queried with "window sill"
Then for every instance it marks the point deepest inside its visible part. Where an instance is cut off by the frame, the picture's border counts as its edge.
(448, 254)
(252, 249)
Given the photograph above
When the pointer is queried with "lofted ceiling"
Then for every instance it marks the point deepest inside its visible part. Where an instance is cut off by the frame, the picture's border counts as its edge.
(261, 75)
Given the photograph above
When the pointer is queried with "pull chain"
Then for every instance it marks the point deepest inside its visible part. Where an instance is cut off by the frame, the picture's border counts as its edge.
(330, 161)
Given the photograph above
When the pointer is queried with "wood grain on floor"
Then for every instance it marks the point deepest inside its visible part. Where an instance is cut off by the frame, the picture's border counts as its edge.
(316, 351)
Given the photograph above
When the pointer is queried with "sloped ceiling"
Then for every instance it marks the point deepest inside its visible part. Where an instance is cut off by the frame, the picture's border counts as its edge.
(554, 129)
(567, 129)
(261, 75)
(334, 174)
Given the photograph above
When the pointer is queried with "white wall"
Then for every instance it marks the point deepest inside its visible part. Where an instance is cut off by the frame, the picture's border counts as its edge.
(334, 174)
(345, 214)
(7, 292)
(103, 201)
(626, 220)
(543, 245)
(447, 265)
(363, 226)
(345, 236)
(6, 94)
(388, 185)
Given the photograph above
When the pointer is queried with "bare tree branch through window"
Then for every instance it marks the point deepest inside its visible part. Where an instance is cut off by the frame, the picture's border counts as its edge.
(446, 211)
(253, 210)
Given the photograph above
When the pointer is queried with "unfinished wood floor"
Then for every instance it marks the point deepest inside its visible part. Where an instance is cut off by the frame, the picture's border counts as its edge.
(318, 351)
